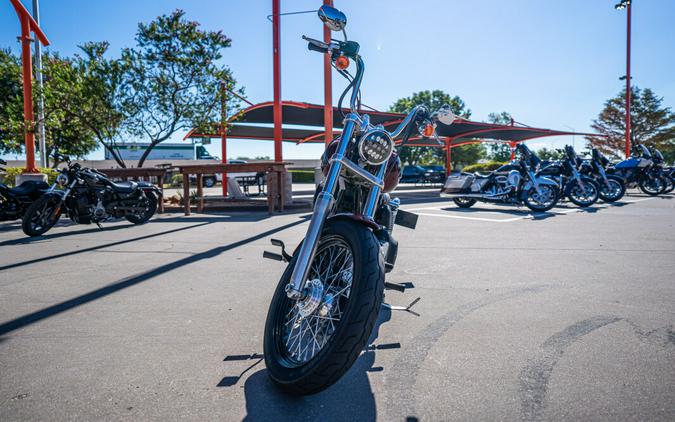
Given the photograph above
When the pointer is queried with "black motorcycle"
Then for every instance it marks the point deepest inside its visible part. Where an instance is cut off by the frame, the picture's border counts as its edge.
(611, 187)
(88, 196)
(640, 171)
(15, 201)
(581, 190)
(666, 173)
(513, 183)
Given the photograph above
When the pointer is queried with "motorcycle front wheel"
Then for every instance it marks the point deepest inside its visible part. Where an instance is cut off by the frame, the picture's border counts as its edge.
(613, 190)
(464, 202)
(310, 343)
(544, 200)
(41, 215)
(583, 196)
(652, 185)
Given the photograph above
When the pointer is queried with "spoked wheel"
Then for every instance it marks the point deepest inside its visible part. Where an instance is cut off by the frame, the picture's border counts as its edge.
(613, 190)
(149, 205)
(41, 215)
(543, 200)
(652, 185)
(464, 202)
(583, 196)
(310, 343)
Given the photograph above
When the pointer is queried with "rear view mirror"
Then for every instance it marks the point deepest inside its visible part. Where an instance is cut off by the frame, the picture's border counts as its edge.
(334, 19)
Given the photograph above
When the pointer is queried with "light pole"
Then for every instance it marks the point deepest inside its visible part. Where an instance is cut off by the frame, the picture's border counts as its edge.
(41, 102)
(626, 4)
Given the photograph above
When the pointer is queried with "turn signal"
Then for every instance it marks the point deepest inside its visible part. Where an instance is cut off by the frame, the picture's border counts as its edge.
(428, 130)
(342, 62)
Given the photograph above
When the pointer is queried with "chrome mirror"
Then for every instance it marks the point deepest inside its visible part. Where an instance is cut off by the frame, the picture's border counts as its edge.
(332, 18)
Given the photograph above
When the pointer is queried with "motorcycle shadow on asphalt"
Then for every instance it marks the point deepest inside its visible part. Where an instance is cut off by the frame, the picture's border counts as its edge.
(351, 398)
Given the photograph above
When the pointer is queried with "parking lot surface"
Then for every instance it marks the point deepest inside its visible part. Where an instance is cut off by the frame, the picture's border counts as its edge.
(565, 315)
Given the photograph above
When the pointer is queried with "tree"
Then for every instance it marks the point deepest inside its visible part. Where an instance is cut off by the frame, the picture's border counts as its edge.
(499, 151)
(433, 100)
(550, 154)
(63, 132)
(174, 78)
(651, 124)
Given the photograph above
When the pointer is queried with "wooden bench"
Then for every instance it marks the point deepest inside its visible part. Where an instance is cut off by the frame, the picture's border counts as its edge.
(275, 171)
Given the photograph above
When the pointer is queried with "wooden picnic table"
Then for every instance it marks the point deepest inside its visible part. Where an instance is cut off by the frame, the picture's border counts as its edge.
(275, 171)
(141, 173)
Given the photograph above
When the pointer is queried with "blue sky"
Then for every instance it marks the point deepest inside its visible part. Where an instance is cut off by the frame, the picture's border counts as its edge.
(549, 63)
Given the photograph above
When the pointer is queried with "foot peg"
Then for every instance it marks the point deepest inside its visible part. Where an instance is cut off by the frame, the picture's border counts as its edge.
(399, 287)
(403, 308)
(284, 256)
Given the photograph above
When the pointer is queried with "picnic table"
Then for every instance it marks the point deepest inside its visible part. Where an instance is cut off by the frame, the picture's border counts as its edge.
(275, 171)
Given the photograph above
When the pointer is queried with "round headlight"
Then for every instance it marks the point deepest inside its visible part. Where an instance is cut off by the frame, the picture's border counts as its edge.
(376, 146)
(62, 179)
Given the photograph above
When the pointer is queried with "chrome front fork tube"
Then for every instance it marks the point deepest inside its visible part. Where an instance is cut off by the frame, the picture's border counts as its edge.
(374, 195)
(323, 205)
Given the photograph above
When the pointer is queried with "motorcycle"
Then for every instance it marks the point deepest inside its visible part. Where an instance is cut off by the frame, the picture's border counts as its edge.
(666, 173)
(14, 201)
(88, 196)
(639, 170)
(611, 188)
(328, 299)
(581, 190)
(514, 183)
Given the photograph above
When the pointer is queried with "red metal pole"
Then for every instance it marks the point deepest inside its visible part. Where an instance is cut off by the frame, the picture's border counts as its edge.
(512, 145)
(628, 93)
(223, 133)
(327, 86)
(278, 156)
(448, 156)
(27, 63)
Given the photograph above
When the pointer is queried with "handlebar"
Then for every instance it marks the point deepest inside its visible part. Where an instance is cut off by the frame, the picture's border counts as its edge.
(316, 45)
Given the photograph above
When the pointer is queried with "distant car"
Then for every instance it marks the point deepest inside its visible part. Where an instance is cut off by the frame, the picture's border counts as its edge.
(414, 174)
(437, 173)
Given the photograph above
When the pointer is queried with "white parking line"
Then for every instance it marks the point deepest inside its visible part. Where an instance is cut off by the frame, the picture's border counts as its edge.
(529, 216)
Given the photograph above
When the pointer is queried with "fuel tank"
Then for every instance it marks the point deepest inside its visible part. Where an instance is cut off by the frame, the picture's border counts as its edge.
(391, 176)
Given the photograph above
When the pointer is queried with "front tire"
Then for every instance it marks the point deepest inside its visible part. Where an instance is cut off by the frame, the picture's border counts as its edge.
(544, 201)
(652, 185)
(614, 190)
(309, 345)
(583, 196)
(41, 215)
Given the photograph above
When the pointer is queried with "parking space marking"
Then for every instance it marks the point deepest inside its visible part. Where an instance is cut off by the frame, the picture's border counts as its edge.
(529, 216)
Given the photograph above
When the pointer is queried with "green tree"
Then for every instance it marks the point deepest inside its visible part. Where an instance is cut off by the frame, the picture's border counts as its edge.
(433, 100)
(651, 124)
(499, 151)
(173, 78)
(63, 132)
(550, 154)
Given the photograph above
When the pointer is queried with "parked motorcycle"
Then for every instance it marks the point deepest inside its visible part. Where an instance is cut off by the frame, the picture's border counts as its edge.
(88, 196)
(666, 173)
(611, 187)
(581, 190)
(328, 298)
(639, 171)
(14, 201)
(513, 183)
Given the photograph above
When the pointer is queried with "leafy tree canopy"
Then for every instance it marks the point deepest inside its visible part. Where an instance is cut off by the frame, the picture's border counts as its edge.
(651, 123)
(499, 151)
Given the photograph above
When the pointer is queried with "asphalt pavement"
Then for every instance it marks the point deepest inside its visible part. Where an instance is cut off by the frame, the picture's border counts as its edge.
(565, 315)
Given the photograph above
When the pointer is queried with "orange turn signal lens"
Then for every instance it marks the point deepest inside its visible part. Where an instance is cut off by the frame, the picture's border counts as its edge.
(429, 130)
(342, 62)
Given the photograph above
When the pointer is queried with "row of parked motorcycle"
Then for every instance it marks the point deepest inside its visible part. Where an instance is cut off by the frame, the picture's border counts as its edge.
(84, 194)
(540, 184)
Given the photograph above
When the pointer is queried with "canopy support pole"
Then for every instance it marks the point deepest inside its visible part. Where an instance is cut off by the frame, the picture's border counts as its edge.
(276, 60)
(223, 133)
(28, 25)
(327, 86)
(628, 93)
(512, 145)
(448, 156)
